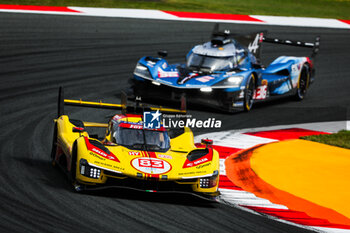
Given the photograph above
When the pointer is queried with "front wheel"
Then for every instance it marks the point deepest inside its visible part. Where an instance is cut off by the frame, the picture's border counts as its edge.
(74, 167)
(249, 93)
(303, 83)
(72, 174)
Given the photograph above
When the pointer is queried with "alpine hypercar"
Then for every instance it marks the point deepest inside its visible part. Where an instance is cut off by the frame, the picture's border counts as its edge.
(131, 155)
(226, 72)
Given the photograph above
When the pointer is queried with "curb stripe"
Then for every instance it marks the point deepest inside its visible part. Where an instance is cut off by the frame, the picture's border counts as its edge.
(232, 194)
(234, 140)
(225, 183)
(297, 217)
(239, 170)
(180, 16)
(285, 134)
(345, 21)
(213, 16)
(38, 8)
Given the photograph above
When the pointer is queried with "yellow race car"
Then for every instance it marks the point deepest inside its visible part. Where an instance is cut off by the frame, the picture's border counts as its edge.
(131, 155)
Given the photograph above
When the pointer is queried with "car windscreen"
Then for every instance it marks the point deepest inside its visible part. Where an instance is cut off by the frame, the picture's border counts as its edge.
(209, 63)
(140, 139)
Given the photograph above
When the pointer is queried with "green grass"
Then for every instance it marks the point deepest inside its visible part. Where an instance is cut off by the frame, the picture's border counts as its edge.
(341, 139)
(339, 9)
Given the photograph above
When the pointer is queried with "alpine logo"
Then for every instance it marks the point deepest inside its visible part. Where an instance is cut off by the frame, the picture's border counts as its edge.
(253, 47)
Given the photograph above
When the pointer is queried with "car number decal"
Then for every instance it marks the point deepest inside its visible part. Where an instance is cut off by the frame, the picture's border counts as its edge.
(260, 93)
(151, 165)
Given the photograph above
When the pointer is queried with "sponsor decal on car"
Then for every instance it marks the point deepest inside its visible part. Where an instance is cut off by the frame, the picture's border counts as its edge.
(151, 165)
(131, 126)
(204, 159)
(97, 156)
(99, 152)
(167, 74)
(110, 166)
(136, 153)
(205, 79)
(204, 165)
(165, 156)
(191, 173)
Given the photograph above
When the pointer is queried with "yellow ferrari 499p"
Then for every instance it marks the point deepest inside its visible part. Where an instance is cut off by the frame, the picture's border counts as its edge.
(131, 155)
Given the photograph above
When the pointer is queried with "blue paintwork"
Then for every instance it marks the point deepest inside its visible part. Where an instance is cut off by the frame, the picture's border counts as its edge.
(282, 74)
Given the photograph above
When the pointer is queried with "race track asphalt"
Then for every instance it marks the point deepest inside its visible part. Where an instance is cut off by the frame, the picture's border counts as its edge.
(93, 58)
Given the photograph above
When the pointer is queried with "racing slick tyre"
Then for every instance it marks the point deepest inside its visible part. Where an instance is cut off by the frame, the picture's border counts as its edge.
(54, 146)
(73, 168)
(77, 187)
(249, 93)
(303, 83)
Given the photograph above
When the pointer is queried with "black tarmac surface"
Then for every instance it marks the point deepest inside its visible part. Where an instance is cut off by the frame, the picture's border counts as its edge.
(93, 58)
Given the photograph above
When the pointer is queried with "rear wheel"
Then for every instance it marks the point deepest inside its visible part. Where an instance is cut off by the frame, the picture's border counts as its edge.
(54, 146)
(303, 83)
(249, 93)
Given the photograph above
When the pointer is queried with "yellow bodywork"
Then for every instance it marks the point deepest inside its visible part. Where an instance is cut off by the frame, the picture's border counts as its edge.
(166, 166)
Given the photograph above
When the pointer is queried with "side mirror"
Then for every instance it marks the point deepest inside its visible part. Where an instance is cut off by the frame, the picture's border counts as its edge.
(163, 53)
(257, 66)
(207, 141)
(78, 129)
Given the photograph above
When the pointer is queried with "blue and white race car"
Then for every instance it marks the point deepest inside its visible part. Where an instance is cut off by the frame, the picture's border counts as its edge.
(226, 73)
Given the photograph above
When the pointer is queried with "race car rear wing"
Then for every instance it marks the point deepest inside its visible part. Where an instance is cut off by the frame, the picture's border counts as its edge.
(315, 45)
(123, 106)
(253, 41)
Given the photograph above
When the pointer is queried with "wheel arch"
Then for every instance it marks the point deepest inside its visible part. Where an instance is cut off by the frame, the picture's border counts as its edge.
(255, 79)
(301, 91)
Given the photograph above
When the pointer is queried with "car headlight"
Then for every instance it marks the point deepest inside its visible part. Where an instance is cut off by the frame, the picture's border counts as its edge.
(234, 81)
(142, 71)
(209, 182)
(89, 171)
(140, 67)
